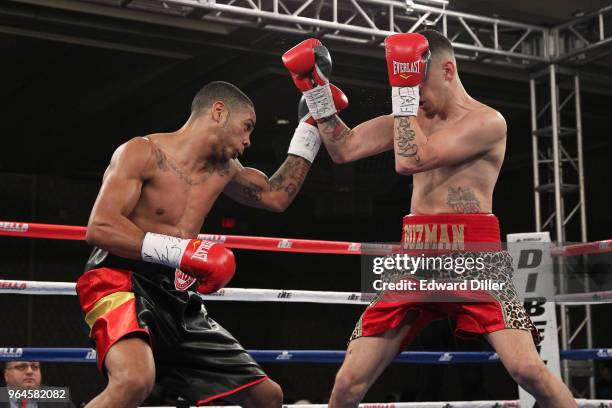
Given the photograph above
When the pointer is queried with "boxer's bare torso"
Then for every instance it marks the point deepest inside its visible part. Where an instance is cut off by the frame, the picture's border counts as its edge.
(150, 186)
(174, 200)
(465, 187)
(459, 179)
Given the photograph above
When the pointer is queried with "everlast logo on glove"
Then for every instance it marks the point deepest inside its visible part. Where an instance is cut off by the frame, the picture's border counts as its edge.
(413, 67)
(202, 251)
(182, 281)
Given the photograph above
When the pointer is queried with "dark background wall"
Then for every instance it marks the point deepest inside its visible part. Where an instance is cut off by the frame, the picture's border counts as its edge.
(67, 107)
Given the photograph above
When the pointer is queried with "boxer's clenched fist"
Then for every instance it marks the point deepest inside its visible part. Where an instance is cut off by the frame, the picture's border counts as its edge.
(211, 263)
(407, 58)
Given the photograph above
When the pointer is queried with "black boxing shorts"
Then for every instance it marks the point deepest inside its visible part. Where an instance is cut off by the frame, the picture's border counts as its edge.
(195, 358)
(450, 237)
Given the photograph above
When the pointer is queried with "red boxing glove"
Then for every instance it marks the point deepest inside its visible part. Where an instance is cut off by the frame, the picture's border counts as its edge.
(211, 263)
(306, 139)
(407, 58)
(340, 102)
(309, 64)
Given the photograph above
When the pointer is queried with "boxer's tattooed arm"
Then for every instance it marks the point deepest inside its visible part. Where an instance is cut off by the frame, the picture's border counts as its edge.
(252, 187)
(333, 129)
(252, 192)
(290, 176)
(462, 200)
(404, 138)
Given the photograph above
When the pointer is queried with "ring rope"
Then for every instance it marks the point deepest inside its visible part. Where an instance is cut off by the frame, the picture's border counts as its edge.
(34, 230)
(234, 294)
(596, 247)
(272, 295)
(582, 403)
(590, 298)
(88, 355)
(454, 404)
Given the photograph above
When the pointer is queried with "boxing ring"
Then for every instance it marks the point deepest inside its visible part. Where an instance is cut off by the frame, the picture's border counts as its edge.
(86, 355)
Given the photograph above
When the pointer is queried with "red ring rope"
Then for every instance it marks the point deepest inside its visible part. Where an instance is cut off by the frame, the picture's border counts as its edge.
(33, 230)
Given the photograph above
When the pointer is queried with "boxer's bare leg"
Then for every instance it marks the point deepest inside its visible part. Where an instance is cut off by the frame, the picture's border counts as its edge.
(365, 360)
(266, 394)
(131, 375)
(520, 357)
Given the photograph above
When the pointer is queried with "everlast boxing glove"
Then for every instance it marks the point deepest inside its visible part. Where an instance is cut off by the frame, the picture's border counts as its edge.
(211, 263)
(407, 58)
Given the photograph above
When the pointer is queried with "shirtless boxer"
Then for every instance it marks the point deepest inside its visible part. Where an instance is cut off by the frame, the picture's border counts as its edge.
(454, 147)
(154, 198)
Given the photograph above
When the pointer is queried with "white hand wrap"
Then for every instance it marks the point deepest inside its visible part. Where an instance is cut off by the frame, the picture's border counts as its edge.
(320, 102)
(405, 100)
(163, 249)
(305, 142)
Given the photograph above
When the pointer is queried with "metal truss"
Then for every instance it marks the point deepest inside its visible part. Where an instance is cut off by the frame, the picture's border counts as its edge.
(585, 39)
(363, 24)
(560, 200)
(367, 22)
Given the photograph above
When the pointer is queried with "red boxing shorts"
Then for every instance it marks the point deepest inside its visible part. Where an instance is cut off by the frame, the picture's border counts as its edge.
(196, 359)
(451, 254)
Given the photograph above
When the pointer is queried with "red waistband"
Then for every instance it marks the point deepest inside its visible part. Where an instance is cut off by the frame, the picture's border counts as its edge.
(451, 232)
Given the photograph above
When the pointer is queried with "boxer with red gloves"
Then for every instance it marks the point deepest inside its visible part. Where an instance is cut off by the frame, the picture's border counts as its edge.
(407, 58)
(211, 264)
(310, 66)
(453, 146)
(139, 291)
(306, 139)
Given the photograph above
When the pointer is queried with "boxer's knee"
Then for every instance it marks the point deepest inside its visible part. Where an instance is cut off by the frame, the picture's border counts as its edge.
(267, 394)
(531, 375)
(272, 395)
(349, 388)
(131, 387)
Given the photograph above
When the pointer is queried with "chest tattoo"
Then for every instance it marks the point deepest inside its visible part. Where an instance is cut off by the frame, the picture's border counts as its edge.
(164, 164)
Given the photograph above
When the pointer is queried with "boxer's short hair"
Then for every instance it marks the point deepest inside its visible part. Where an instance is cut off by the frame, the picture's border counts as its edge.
(438, 43)
(215, 91)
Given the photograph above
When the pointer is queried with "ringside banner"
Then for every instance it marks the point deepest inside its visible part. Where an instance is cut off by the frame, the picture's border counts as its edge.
(533, 279)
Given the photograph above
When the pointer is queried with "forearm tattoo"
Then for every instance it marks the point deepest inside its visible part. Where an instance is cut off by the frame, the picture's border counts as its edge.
(290, 176)
(405, 139)
(463, 200)
(288, 179)
(333, 129)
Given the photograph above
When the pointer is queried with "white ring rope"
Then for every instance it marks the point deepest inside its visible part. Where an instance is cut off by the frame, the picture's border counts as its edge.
(591, 298)
(234, 294)
(270, 295)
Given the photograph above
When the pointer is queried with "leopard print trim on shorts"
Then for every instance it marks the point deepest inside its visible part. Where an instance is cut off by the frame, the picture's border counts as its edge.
(497, 268)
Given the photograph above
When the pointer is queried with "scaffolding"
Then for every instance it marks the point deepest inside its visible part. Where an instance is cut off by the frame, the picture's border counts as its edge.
(559, 194)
